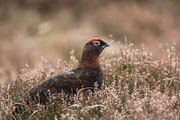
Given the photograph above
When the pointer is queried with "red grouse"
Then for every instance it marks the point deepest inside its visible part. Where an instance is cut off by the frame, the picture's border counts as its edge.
(85, 75)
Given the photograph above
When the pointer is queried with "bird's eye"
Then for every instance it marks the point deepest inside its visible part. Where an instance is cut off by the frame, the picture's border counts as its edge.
(96, 43)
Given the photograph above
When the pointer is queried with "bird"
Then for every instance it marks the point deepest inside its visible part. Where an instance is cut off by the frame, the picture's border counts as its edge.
(87, 74)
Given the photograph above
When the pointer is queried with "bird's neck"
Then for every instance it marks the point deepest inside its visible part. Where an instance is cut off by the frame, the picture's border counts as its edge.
(89, 60)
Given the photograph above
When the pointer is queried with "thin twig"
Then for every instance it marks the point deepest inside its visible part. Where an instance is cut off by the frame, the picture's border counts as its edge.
(91, 107)
(111, 93)
(33, 114)
(82, 90)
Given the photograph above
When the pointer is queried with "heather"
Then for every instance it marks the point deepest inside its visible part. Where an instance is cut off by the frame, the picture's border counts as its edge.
(138, 86)
(41, 38)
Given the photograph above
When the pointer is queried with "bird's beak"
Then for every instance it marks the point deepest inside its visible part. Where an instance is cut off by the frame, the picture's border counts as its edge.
(107, 45)
(104, 46)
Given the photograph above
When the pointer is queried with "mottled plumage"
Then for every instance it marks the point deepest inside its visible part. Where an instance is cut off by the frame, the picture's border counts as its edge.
(67, 82)
(85, 75)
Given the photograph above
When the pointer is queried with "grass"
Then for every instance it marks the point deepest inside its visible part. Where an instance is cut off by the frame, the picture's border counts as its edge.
(137, 87)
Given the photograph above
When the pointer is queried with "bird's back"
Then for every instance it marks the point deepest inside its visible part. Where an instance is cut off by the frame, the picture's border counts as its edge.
(68, 82)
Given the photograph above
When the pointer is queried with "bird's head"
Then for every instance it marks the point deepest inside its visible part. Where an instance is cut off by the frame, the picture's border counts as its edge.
(91, 52)
(95, 47)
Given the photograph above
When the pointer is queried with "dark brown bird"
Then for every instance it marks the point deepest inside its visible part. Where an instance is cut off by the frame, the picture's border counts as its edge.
(85, 75)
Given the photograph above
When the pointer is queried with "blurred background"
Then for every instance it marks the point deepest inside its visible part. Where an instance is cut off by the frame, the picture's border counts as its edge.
(30, 29)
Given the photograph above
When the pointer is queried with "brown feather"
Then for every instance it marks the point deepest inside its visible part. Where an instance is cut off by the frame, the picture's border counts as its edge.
(86, 75)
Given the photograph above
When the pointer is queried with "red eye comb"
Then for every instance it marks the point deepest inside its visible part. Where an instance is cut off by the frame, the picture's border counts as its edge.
(96, 41)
